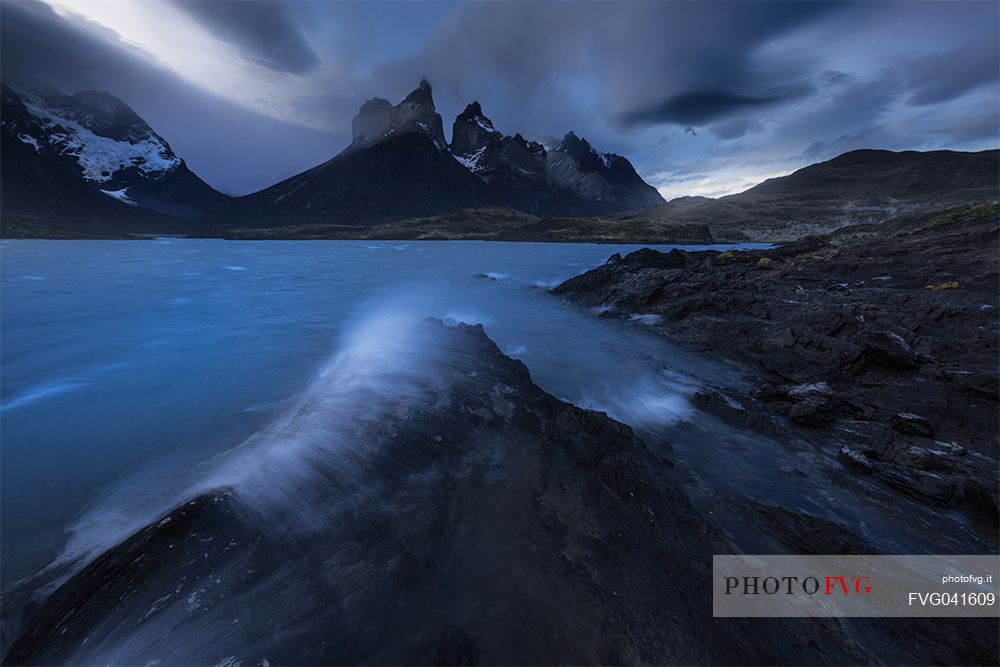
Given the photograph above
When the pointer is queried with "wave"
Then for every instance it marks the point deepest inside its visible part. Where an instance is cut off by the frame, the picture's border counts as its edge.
(649, 319)
(464, 317)
(40, 392)
(84, 377)
(313, 450)
(648, 404)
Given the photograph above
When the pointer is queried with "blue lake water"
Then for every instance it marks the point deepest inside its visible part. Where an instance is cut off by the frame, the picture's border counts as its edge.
(131, 369)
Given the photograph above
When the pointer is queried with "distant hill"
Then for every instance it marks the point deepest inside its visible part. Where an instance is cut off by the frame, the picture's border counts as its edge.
(856, 187)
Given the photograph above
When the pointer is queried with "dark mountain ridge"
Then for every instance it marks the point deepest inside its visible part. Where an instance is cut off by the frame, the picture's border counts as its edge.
(399, 165)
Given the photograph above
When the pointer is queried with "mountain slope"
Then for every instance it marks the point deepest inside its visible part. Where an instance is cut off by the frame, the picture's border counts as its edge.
(515, 167)
(857, 187)
(89, 159)
(399, 166)
(885, 176)
(398, 177)
(606, 178)
(563, 178)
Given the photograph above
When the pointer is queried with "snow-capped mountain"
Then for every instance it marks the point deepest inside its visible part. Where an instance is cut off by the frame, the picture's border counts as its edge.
(98, 142)
(399, 165)
(596, 176)
(561, 178)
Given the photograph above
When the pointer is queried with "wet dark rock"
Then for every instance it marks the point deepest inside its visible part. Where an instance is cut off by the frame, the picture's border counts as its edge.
(647, 258)
(803, 533)
(860, 310)
(940, 472)
(813, 404)
(743, 411)
(911, 424)
(935, 487)
(792, 471)
(982, 382)
(928, 640)
(888, 349)
(855, 459)
(454, 647)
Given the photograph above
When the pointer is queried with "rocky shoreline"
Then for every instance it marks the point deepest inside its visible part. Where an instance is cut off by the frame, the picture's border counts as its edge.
(877, 340)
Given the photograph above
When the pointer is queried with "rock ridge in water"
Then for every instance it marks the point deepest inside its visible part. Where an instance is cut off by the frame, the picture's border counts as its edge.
(483, 521)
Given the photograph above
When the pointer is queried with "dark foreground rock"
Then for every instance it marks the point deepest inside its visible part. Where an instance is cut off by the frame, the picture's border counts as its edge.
(880, 340)
(483, 521)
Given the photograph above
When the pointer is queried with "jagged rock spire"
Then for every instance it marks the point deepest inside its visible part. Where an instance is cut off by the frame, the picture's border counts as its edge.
(421, 95)
(472, 131)
(378, 119)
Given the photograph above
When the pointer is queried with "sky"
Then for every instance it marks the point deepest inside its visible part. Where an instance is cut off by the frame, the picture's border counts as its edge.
(704, 98)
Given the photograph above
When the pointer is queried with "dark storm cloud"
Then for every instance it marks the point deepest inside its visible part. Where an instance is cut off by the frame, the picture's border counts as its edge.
(699, 108)
(720, 66)
(265, 32)
(695, 107)
(235, 150)
(39, 47)
(645, 63)
(940, 77)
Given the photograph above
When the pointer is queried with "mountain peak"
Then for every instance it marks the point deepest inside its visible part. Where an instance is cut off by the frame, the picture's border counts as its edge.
(101, 101)
(600, 176)
(572, 142)
(421, 95)
(378, 119)
(375, 105)
(472, 131)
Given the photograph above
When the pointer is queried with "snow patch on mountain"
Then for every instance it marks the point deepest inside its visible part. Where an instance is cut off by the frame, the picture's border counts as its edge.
(100, 157)
(471, 162)
(120, 196)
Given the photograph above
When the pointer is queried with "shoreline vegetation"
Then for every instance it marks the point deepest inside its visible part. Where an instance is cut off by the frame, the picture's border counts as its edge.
(491, 224)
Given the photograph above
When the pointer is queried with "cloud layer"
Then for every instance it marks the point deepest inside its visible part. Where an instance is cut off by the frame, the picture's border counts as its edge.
(705, 98)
